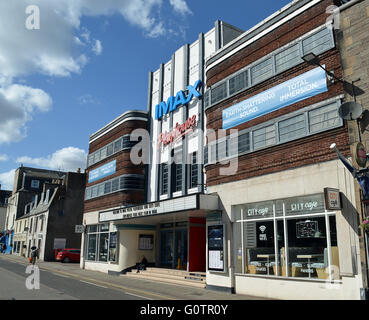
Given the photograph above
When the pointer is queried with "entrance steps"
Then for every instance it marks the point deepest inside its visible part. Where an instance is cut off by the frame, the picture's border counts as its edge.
(193, 278)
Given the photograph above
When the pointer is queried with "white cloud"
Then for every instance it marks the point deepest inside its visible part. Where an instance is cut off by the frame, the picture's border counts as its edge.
(18, 103)
(4, 157)
(7, 180)
(180, 6)
(60, 48)
(66, 159)
(97, 48)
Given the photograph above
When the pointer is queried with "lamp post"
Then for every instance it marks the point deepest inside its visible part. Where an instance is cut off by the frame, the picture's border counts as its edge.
(353, 112)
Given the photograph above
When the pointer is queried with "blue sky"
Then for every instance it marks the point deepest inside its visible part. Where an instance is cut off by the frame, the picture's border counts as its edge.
(87, 64)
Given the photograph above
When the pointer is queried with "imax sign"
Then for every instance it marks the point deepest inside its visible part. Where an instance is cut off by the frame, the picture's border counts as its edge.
(180, 99)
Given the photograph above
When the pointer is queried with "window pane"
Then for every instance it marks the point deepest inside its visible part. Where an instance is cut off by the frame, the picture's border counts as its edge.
(264, 137)
(292, 128)
(92, 228)
(91, 159)
(238, 82)
(307, 247)
(288, 58)
(262, 71)
(91, 247)
(207, 98)
(259, 246)
(318, 42)
(107, 187)
(103, 153)
(97, 156)
(103, 247)
(113, 247)
(164, 177)
(219, 93)
(93, 192)
(324, 118)
(88, 193)
(115, 185)
(244, 142)
(222, 149)
(194, 171)
(117, 145)
(100, 190)
(238, 247)
(232, 146)
(109, 150)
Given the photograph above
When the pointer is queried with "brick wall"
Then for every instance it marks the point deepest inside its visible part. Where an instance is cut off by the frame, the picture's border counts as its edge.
(297, 153)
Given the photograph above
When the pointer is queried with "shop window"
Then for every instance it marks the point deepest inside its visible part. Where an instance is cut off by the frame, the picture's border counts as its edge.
(292, 128)
(219, 93)
(91, 247)
(318, 42)
(287, 58)
(194, 171)
(113, 246)
(296, 246)
(323, 118)
(264, 137)
(262, 71)
(238, 82)
(103, 247)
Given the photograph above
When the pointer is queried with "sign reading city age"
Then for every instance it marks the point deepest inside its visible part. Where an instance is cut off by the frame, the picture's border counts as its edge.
(305, 204)
(332, 199)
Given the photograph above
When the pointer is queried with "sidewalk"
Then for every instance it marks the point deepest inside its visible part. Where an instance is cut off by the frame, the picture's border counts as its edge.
(153, 289)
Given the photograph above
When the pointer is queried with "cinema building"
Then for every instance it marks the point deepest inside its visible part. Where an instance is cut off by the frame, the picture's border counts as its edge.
(158, 209)
(287, 203)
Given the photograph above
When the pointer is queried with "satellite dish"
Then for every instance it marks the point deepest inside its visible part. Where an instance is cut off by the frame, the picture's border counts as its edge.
(350, 110)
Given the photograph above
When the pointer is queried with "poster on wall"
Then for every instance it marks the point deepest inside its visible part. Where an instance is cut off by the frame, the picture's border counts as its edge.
(146, 242)
(216, 247)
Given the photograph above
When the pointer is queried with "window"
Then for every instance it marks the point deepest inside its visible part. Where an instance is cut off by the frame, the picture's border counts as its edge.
(117, 145)
(323, 118)
(238, 82)
(35, 184)
(100, 190)
(107, 187)
(244, 142)
(262, 71)
(194, 171)
(219, 93)
(103, 153)
(318, 42)
(97, 156)
(164, 178)
(177, 169)
(109, 150)
(115, 185)
(100, 243)
(292, 128)
(222, 148)
(264, 137)
(288, 58)
(286, 237)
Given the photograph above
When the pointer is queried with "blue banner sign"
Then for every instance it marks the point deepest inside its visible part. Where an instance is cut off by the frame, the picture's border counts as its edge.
(179, 100)
(102, 172)
(297, 89)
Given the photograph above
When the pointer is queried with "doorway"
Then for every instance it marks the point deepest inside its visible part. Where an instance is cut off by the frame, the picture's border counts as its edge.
(173, 248)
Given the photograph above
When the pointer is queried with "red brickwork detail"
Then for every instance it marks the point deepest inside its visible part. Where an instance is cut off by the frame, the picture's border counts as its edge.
(117, 199)
(125, 128)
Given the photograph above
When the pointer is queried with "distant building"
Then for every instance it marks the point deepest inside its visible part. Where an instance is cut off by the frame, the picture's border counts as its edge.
(27, 188)
(4, 196)
(49, 222)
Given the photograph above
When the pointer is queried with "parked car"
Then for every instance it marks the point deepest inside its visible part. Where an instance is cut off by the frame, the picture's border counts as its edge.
(69, 255)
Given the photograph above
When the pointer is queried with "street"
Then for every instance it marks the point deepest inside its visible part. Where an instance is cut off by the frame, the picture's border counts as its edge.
(53, 286)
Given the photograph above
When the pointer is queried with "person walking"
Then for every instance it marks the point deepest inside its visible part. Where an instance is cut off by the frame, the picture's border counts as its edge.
(4, 248)
(34, 254)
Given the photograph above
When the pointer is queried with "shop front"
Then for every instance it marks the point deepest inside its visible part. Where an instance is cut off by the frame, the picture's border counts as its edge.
(169, 234)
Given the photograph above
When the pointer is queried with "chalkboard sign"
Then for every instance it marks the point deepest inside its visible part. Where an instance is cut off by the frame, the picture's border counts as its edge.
(306, 229)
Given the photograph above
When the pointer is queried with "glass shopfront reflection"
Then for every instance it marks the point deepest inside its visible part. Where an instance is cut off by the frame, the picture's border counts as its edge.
(291, 244)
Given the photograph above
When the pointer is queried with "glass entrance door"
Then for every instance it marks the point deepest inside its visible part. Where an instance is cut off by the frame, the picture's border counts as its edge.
(166, 248)
(173, 248)
(180, 256)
